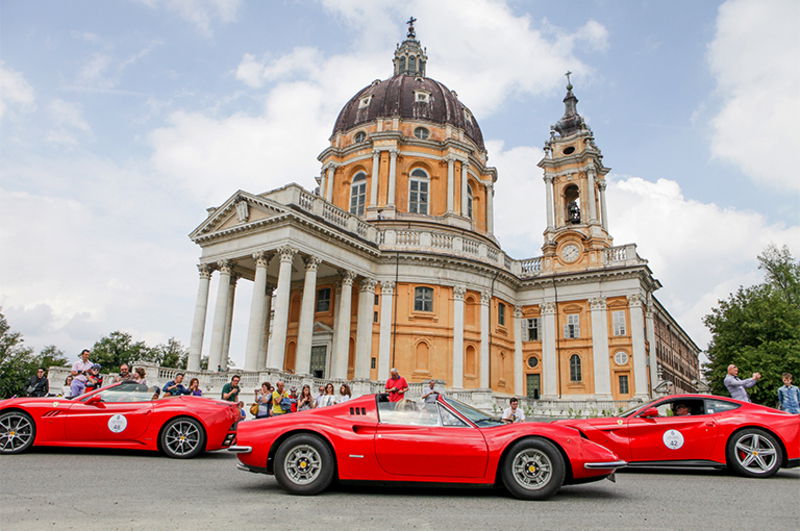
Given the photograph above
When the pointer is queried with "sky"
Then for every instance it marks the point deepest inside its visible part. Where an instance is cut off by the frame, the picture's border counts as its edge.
(121, 122)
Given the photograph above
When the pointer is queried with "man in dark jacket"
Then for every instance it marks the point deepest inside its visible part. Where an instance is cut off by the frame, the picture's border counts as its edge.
(38, 385)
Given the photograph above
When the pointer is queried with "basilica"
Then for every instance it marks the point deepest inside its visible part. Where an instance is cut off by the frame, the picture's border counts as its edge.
(391, 261)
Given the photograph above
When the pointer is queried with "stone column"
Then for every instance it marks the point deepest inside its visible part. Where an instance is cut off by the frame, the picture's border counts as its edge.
(220, 315)
(329, 183)
(366, 301)
(603, 212)
(640, 367)
(458, 337)
(651, 340)
(262, 349)
(277, 344)
(464, 185)
(392, 175)
(549, 357)
(385, 338)
(484, 353)
(257, 306)
(551, 223)
(451, 191)
(490, 208)
(518, 362)
(341, 348)
(590, 196)
(305, 330)
(602, 372)
(199, 321)
(226, 342)
(373, 189)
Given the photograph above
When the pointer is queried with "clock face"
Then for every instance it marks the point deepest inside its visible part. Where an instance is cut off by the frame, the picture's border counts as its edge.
(570, 252)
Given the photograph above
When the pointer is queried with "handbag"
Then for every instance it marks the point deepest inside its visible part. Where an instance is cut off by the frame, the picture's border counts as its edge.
(254, 409)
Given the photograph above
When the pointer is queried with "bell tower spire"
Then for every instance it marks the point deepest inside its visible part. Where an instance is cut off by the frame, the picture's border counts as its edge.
(409, 57)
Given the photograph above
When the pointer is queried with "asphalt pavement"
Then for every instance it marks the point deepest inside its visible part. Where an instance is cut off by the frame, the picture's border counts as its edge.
(99, 489)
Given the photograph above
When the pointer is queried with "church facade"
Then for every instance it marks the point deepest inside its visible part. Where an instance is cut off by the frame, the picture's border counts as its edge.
(392, 262)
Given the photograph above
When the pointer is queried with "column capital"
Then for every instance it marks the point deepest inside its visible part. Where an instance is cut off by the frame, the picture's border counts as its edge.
(485, 298)
(597, 303)
(635, 300)
(548, 178)
(205, 270)
(261, 258)
(225, 266)
(450, 159)
(548, 308)
(393, 152)
(287, 253)
(312, 262)
(518, 312)
(387, 287)
(602, 185)
(368, 285)
(347, 278)
(376, 152)
(650, 313)
(459, 292)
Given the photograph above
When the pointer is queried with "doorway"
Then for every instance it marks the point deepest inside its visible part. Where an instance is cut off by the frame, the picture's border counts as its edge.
(319, 359)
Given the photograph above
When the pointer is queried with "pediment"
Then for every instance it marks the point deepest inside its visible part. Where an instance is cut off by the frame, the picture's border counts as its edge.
(239, 211)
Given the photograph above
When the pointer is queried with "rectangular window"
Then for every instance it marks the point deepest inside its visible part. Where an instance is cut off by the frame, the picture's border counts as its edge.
(423, 299)
(618, 320)
(377, 300)
(623, 384)
(373, 362)
(374, 317)
(573, 327)
(501, 314)
(418, 197)
(323, 299)
(533, 329)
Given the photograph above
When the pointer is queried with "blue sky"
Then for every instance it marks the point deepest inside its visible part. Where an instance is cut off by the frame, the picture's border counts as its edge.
(121, 121)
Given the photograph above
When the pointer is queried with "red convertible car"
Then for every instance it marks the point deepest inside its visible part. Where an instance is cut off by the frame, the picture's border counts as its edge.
(372, 439)
(700, 430)
(122, 415)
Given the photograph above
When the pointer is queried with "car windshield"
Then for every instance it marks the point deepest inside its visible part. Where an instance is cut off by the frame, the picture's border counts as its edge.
(480, 418)
(634, 409)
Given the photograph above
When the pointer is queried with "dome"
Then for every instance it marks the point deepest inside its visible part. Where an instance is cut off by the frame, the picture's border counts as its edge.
(398, 96)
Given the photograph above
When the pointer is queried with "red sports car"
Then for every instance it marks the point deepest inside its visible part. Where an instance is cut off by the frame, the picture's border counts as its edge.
(122, 415)
(372, 439)
(700, 430)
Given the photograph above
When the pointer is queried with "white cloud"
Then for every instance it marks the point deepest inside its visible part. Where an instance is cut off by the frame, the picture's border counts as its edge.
(66, 119)
(751, 56)
(14, 89)
(201, 13)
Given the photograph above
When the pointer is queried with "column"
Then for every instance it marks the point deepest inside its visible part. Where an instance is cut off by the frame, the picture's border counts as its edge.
(366, 301)
(373, 192)
(199, 321)
(490, 208)
(464, 185)
(548, 179)
(458, 337)
(549, 358)
(305, 329)
(451, 191)
(603, 212)
(277, 344)
(220, 315)
(484, 353)
(602, 372)
(329, 183)
(651, 340)
(592, 205)
(262, 349)
(392, 175)
(637, 335)
(226, 341)
(518, 362)
(257, 306)
(385, 337)
(323, 182)
(341, 347)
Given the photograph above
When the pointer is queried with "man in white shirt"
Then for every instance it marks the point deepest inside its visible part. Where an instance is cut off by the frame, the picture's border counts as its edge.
(514, 413)
(79, 370)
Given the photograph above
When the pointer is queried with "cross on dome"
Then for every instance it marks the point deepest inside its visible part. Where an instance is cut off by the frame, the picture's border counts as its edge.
(411, 33)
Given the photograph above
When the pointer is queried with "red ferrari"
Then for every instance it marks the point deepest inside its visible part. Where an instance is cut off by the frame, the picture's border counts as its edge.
(372, 439)
(122, 415)
(700, 430)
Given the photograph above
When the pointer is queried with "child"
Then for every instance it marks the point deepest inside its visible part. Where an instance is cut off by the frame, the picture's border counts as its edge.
(93, 379)
(789, 395)
(242, 412)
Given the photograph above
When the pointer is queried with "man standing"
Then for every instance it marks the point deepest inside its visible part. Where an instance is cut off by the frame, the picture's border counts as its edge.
(175, 387)
(431, 395)
(230, 391)
(737, 387)
(513, 413)
(79, 372)
(397, 386)
(38, 385)
(277, 396)
(124, 373)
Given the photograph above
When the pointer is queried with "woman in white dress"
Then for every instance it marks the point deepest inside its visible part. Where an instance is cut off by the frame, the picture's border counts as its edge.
(329, 398)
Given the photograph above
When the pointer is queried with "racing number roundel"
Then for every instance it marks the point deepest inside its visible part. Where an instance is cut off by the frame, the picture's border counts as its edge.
(117, 423)
(673, 439)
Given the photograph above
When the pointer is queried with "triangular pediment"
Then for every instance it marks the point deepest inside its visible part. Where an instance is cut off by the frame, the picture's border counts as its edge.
(237, 212)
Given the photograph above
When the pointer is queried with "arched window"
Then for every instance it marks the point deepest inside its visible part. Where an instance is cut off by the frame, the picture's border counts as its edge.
(360, 137)
(358, 194)
(423, 356)
(575, 368)
(470, 362)
(412, 63)
(402, 64)
(422, 133)
(572, 203)
(418, 192)
(469, 201)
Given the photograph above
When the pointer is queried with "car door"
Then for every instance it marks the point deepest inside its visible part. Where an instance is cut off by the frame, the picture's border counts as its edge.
(428, 441)
(119, 414)
(672, 438)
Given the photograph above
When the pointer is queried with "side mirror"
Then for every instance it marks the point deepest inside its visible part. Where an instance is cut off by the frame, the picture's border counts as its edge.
(649, 412)
(94, 399)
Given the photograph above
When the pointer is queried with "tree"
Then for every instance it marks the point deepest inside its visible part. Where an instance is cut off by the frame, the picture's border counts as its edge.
(758, 328)
(172, 354)
(117, 348)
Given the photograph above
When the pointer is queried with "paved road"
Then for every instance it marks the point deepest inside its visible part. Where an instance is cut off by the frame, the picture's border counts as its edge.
(78, 489)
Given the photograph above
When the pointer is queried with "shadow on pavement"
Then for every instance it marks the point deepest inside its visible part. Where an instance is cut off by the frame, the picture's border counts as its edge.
(56, 450)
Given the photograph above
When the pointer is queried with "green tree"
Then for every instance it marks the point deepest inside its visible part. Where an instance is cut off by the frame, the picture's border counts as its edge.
(171, 354)
(117, 348)
(758, 328)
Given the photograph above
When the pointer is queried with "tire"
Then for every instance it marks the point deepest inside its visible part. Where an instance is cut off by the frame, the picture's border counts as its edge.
(533, 469)
(304, 464)
(754, 453)
(17, 432)
(182, 438)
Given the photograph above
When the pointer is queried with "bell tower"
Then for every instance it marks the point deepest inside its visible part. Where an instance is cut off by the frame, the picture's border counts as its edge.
(574, 175)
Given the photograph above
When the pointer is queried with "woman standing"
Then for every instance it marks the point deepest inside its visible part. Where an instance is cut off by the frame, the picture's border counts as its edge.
(194, 387)
(264, 400)
(329, 398)
(344, 394)
(306, 400)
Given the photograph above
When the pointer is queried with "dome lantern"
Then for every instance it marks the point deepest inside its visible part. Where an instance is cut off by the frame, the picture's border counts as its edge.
(409, 57)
